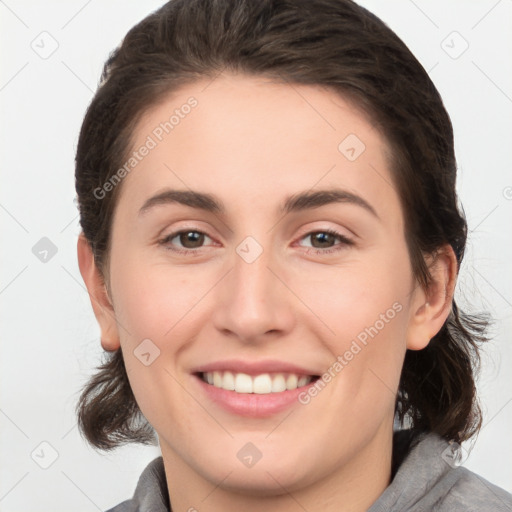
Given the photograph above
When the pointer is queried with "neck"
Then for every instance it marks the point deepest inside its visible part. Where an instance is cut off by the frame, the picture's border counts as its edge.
(353, 487)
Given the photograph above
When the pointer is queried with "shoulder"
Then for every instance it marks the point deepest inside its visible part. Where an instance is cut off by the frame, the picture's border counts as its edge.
(469, 492)
(429, 479)
(151, 494)
(452, 487)
(125, 506)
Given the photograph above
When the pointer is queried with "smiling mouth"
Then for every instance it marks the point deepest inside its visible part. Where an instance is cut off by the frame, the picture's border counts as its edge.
(261, 384)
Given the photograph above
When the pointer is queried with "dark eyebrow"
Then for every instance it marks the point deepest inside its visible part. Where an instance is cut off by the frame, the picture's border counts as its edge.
(296, 203)
(308, 200)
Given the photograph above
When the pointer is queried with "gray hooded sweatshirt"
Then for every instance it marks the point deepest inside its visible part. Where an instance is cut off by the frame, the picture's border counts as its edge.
(425, 478)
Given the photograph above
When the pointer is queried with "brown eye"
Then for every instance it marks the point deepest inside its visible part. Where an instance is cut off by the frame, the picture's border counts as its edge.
(190, 241)
(325, 239)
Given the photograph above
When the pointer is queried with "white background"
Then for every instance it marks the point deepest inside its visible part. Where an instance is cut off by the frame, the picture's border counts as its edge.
(49, 337)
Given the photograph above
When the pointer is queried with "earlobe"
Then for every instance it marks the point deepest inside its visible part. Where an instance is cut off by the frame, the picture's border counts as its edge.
(100, 300)
(432, 307)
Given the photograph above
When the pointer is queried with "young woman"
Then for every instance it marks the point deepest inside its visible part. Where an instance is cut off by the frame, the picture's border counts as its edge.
(271, 242)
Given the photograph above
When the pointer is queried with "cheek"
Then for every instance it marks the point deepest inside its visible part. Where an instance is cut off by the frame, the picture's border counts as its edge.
(365, 307)
(151, 300)
(153, 303)
(156, 304)
(355, 297)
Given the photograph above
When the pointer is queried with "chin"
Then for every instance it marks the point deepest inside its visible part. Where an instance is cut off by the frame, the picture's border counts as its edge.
(276, 472)
(265, 481)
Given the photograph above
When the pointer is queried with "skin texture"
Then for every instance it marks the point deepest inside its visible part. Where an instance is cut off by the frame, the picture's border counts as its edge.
(253, 143)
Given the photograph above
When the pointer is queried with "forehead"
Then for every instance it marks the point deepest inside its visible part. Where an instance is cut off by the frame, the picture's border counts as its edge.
(247, 139)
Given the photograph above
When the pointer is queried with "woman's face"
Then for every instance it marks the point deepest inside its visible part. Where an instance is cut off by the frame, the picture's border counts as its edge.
(260, 295)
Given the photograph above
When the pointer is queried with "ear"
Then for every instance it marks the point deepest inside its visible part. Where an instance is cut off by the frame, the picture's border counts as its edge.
(100, 301)
(430, 308)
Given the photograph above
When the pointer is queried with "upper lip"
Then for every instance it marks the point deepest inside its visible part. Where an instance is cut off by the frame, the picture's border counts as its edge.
(254, 367)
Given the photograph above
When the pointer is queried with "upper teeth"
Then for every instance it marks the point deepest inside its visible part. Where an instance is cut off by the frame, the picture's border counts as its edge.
(261, 384)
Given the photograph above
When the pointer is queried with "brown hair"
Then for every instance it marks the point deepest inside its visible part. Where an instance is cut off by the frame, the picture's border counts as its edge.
(331, 43)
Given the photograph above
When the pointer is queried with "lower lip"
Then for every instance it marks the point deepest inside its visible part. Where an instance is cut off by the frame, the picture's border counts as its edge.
(252, 405)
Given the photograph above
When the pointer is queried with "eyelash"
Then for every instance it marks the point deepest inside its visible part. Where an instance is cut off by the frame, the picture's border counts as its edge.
(344, 242)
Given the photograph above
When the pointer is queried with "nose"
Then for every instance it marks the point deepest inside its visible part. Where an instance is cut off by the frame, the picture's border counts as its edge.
(253, 302)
